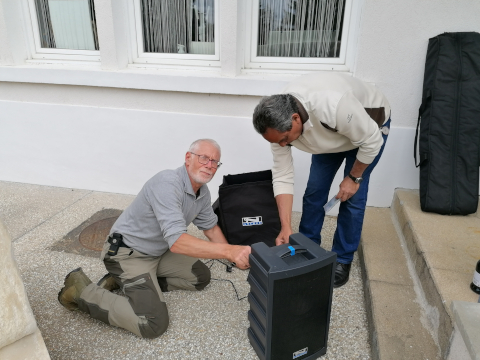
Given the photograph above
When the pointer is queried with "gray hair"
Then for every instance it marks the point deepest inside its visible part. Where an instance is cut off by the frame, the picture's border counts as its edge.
(274, 112)
(193, 148)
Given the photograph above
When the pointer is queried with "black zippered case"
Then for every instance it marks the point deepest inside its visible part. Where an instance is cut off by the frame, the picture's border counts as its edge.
(247, 210)
(448, 128)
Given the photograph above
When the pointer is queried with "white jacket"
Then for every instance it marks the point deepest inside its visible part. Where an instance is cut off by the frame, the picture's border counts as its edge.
(337, 106)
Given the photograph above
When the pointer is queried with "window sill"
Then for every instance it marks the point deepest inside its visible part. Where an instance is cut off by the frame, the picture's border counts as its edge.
(211, 82)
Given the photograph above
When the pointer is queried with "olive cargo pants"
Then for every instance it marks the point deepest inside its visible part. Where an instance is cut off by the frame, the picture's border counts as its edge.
(143, 311)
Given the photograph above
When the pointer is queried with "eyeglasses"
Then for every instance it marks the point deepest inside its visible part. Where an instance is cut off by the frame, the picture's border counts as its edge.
(202, 159)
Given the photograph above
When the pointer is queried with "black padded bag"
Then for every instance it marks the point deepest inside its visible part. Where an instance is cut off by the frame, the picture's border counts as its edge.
(449, 125)
(246, 209)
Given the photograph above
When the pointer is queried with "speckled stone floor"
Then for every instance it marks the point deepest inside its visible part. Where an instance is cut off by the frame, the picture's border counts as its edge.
(211, 324)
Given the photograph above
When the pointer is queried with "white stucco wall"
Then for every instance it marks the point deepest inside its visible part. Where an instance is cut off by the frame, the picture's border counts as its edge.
(109, 127)
(118, 149)
(393, 41)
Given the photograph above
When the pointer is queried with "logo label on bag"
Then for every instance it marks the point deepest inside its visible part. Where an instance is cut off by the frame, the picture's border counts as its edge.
(250, 221)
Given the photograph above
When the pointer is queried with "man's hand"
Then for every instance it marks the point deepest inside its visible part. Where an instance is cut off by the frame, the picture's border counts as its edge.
(283, 237)
(239, 255)
(348, 188)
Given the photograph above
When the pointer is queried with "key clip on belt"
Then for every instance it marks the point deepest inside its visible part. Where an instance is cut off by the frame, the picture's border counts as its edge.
(115, 240)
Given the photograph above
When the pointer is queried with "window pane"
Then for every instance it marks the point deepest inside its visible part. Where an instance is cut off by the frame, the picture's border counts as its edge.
(300, 28)
(67, 24)
(178, 26)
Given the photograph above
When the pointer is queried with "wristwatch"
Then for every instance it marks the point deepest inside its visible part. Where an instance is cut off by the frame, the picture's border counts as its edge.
(356, 180)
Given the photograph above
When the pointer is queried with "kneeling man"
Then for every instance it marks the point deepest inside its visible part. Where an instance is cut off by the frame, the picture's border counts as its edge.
(149, 251)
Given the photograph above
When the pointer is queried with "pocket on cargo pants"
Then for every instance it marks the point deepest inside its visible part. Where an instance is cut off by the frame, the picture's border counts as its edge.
(147, 305)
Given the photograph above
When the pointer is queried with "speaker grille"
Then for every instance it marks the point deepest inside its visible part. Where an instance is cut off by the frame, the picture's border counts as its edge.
(300, 313)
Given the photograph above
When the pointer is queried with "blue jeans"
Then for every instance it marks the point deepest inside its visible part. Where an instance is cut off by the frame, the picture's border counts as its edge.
(351, 213)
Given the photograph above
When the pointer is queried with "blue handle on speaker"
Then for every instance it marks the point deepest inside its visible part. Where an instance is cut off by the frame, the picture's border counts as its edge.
(290, 250)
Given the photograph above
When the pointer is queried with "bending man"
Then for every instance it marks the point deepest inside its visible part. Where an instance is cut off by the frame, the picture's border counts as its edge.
(335, 117)
(149, 251)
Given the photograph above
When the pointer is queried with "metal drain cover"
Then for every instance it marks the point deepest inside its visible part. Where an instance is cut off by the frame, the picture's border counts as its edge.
(93, 236)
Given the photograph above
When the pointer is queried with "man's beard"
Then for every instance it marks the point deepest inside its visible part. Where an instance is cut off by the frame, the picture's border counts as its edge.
(199, 179)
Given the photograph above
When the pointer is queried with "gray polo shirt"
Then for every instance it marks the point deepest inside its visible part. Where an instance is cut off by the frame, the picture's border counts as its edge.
(161, 212)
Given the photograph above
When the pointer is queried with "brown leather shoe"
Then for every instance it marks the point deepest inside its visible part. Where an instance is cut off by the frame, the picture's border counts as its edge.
(108, 283)
(342, 273)
(75, 282)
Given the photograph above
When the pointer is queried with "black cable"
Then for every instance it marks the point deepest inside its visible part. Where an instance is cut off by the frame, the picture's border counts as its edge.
(221, 262)
(209, 261)
(212, 261)
(234, 288)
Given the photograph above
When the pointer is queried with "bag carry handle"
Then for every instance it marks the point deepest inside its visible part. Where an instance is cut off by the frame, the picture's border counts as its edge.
(425, 101)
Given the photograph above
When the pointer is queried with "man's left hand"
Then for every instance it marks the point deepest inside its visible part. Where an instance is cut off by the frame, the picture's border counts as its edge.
(348, 188)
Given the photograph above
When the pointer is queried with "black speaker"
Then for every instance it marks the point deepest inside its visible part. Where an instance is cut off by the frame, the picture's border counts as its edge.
(290, 299)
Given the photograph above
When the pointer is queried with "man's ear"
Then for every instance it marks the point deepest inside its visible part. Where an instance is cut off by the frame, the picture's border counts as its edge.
(188, 155)
(296, 117)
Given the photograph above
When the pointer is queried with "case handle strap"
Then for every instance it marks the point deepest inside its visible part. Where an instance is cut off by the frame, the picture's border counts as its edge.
(427, 99)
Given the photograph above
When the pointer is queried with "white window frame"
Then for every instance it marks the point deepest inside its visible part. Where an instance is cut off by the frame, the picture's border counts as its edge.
(48, 55)
(343, 63)
(140, 58)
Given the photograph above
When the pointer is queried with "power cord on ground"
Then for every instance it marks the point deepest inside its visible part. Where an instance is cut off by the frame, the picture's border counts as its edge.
(229, 268)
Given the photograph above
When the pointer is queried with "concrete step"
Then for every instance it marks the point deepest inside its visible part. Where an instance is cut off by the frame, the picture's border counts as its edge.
(443, 251)
(415, 265)
(395, 317)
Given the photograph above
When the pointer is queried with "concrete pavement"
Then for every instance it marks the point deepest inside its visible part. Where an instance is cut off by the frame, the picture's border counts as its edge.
(210, 324)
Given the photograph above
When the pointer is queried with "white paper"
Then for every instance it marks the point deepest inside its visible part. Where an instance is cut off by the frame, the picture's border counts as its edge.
(330, 204)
